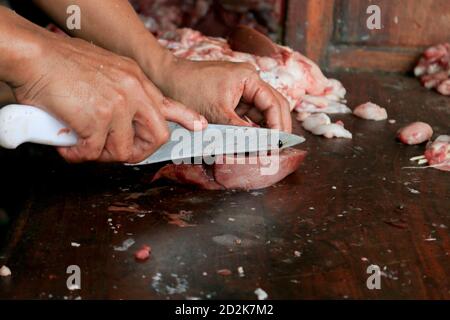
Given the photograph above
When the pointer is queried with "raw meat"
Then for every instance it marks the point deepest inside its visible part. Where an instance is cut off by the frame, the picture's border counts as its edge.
(415, 133)
(213, 17)
(320, 124)
(228, 173)
(434, 68)
(5, 271)
(315, 120)
(296, 77)
(332, 130)
(370, 111)
(438, 153)
(143, 253)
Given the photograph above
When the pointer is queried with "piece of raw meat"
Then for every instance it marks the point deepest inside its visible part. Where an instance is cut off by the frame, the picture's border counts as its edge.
(228, 173)
(438, 153)
(296, 77)
(332, 130)
(370, 111)
(434, 68)
(415, 133)
(315, 120)
(320, 124)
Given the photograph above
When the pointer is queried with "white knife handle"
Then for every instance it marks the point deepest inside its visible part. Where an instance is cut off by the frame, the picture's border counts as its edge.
(22, 123)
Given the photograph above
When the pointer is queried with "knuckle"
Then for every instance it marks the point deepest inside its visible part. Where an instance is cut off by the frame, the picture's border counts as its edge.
(162, 137)
(123, 154)
(129, 81)
(104, 112)
(92, 155)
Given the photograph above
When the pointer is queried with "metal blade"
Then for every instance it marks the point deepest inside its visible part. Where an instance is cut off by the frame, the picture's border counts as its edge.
(220, 139)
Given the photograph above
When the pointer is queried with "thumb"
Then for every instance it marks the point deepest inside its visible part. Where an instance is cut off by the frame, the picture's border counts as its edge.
(177, 112)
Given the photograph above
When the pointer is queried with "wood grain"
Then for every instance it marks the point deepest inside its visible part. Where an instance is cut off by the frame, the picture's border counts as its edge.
(335, 33)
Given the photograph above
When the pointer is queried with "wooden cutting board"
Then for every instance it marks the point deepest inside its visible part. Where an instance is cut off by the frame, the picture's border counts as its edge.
(351, 204)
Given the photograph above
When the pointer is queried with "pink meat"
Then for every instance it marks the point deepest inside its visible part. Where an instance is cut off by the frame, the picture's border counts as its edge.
(434, 68)
(228, 173)
(415, 133)
(438, 153)
(370, 111)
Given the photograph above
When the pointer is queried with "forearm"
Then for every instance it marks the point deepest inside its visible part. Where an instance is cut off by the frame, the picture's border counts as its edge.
(20, 44)
(116, 27)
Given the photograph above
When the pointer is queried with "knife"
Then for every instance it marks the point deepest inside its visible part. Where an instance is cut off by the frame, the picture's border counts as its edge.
(22, 123)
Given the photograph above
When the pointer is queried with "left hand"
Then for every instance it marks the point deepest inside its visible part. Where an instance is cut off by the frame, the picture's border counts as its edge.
(224, 91)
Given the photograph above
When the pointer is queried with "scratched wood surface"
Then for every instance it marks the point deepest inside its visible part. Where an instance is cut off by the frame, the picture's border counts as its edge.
(335, 34)
(311, 236)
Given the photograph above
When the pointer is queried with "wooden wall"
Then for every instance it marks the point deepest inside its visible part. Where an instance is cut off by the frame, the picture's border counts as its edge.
(334, 32)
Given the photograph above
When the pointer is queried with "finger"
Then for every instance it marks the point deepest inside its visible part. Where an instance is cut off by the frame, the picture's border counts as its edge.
(150, 133)
(119, 142)
(87, 149)
(179, 113)
(286, 118)
(262, 97)
(251, 112)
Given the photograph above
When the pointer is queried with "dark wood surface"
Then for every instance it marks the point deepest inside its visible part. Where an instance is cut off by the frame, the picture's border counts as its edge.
(313, 235)
(335, 33)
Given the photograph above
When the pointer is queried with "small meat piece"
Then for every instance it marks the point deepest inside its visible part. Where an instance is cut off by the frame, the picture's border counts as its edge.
(415, 133)
(143, 253)
(229, 173)
(370, 111)
(5, 271)
(320, 125)
(315, 120)
(332, 130)
(438, 153)
(224, 272)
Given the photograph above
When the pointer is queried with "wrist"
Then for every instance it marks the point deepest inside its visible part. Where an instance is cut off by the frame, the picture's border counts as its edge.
(21, 45)
(156, 61)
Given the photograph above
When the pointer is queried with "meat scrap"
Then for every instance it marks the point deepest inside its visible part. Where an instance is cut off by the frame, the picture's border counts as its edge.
(5, 271)
(370, 111)
(228, 173)
(296, 77)
(415, 133)
(320, 124)
(143, 253)
(433, 68)
(438, 153)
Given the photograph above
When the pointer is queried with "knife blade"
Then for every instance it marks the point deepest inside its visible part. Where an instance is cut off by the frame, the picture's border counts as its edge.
(22, 123)
(185, 144)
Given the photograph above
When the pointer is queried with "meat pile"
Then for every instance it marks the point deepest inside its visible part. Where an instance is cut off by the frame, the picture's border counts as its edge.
(296, 77)
(434, 68)
(212, 17)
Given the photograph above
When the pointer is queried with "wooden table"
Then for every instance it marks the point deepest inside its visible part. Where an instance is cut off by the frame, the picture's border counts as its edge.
(350, 205)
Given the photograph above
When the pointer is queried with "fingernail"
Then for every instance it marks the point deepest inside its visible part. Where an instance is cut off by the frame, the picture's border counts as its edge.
(203, 121)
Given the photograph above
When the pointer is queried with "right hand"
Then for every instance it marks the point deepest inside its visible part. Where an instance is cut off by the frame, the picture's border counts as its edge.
(117, 113)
